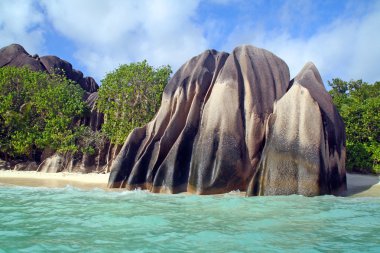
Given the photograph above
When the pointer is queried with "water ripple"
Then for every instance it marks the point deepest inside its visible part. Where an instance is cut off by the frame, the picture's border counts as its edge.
(74, 220)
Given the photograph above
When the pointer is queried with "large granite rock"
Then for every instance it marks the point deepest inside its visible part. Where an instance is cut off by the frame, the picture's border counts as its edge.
(235, 122)
(231, 132)
(16, 55)
(304, 151)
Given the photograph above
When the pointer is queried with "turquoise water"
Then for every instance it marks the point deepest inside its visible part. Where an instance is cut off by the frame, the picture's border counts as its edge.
(75, 220)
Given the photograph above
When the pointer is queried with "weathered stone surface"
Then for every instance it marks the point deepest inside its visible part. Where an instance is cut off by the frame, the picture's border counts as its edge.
(150, 149)
(52, 63)
(15, 55)
(333, 177)
(26, 166)
(94, 119)
(295, 159)
(98, 162)
(52, 164)
(226, 122)
(231, 133)
(209, 132)
(304, 151)
(235, 122)
(4, 165)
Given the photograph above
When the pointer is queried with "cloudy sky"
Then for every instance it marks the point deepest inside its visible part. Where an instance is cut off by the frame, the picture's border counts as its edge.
(341, 37)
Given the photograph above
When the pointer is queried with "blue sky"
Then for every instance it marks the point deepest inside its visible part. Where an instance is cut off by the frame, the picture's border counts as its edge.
(342, 38)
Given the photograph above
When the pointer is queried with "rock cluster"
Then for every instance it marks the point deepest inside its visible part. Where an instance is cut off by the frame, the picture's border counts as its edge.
(237, 122)
(15, 55)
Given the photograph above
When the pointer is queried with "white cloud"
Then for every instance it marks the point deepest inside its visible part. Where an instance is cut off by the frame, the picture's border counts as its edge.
(20, 22)
(347, 48)
(109, 33)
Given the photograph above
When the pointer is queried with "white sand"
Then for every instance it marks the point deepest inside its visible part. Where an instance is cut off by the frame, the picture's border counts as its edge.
(32, 178)
(357, 185)
(362, 185)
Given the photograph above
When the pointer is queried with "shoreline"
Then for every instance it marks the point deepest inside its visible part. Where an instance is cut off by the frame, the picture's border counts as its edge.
(53, 180)
(358, 185)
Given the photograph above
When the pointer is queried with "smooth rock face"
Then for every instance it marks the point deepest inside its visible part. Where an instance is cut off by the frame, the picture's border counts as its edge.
(293, 152)
(151, 153)
(305, 148)
(208, 135)
(236, 122)
(304, 151)
(231, 133)
(15, 55)
(333, 178)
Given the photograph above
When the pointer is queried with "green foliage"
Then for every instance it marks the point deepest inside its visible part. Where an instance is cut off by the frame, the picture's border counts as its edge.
(129, 97)
(37, 112)
(359, 105)
(88, 140)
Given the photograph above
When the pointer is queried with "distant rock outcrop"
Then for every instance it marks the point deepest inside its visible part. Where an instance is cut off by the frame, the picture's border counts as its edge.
(16, 55)
(94, 119)
(236, 122)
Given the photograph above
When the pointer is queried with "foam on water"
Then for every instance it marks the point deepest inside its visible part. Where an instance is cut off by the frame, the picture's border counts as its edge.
(74, 220)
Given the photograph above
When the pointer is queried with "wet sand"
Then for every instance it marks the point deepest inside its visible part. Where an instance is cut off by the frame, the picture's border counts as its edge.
(357, 185)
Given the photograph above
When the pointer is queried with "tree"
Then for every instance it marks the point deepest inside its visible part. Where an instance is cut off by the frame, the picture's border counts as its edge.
(359, 105)
(37, 111)
(90, 141)
(129, 97)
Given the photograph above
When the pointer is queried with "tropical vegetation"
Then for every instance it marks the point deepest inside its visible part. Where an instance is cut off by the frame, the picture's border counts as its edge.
(41, 111)
(129, 97)
(359, 104)
(37, 111)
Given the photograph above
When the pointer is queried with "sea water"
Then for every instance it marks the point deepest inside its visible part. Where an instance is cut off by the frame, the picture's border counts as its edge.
(75, 220)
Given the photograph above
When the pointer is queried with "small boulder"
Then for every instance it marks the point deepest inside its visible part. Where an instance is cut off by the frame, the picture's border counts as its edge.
(26, 166)
(53, 164)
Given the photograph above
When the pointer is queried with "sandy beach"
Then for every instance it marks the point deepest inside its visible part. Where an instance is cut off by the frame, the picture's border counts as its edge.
(36, 179)
(357, 185)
